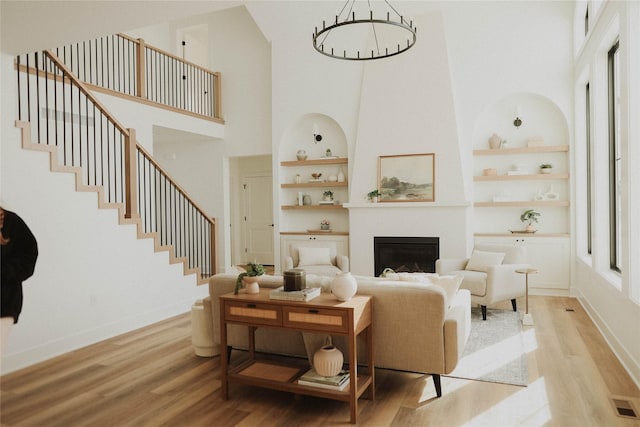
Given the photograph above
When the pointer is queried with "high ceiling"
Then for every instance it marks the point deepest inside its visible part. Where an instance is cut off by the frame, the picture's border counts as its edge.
(33, 25)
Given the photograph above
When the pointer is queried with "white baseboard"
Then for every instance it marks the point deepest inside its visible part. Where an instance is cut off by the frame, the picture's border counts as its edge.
(627, 361)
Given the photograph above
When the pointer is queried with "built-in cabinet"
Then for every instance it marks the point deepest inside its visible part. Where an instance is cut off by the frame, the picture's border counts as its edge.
(338, 243)
(549, 255)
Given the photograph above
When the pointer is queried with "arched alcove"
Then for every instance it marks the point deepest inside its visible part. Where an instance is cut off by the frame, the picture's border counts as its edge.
(302, 220)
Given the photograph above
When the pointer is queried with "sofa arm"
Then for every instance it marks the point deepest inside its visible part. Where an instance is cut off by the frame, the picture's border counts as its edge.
(342, 262)
(288, 263)
(445, 265)
(457, 326)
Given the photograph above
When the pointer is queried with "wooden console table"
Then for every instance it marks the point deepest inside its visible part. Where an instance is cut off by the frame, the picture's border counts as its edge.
(323, 314)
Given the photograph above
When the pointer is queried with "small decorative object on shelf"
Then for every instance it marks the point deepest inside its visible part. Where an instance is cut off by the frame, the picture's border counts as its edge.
(489, 172)
(301, 155)
(373, 196)
(315, 177)
(529, 216)
(325, 225)
(249, 279)
(328, 153)
(344, 286)
(495, 142)
(340, 175)
(546, 168)
(297, 178)
(327, 361)
(327, 195)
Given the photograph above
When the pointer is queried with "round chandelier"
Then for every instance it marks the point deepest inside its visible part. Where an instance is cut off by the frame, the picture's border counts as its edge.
(373, 35)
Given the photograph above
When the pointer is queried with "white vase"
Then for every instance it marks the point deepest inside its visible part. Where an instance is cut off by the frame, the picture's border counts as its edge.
(327, 361)
(340, 175)
(251, 285)
(344, 286)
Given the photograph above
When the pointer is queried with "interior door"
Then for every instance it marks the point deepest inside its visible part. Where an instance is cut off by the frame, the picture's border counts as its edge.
(258, 219)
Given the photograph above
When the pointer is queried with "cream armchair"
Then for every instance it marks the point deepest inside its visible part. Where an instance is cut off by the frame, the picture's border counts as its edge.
(490, 274)
(319, 260)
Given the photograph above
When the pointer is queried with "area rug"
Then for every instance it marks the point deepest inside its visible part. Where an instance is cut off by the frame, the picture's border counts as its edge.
(495, 351)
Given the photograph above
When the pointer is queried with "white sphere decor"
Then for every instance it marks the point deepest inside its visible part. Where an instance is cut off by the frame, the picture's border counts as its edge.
(344, 286)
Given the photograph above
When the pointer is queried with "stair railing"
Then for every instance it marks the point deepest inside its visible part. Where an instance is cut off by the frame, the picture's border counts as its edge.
(130, 67)
(65, 116)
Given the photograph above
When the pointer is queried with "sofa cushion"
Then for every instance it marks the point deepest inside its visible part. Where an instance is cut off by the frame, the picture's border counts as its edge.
(314, 256)
(481, 260)
(474, 281)
(449, 283)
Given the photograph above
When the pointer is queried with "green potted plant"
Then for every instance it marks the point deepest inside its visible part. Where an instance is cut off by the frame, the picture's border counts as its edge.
(529, 216)
(546, 168)
(327, 195)
(249, 278)
(373, 195)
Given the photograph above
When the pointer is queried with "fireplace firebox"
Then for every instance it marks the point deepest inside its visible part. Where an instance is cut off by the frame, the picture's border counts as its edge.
(406, 254)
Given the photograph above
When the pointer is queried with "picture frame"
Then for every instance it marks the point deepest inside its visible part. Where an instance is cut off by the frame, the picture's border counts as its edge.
(407, 178)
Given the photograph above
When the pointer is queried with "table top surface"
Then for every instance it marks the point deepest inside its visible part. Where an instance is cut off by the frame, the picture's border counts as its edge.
(527, 270)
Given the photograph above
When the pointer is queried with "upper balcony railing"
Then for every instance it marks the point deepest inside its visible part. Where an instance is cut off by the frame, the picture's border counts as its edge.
(132, 68)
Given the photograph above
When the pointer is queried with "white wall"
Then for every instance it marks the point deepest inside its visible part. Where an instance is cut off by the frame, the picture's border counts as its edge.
(611, 299)
(94, 279)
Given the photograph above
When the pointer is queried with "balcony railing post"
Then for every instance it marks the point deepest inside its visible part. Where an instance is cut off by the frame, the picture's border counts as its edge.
(141, 90)
(212, 242)
(130, 175)
(218, 96)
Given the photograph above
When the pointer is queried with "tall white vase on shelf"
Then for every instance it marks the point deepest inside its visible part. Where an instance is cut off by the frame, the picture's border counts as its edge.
(340, 175)
(344, 286)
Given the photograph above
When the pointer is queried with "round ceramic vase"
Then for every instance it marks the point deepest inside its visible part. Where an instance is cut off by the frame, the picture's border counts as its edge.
(327, 361)
(344, 286)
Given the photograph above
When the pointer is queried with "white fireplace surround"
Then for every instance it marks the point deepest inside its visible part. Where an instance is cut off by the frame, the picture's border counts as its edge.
(367, 220)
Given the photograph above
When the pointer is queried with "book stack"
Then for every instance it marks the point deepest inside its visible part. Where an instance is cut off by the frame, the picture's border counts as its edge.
(301, 295)
(338, 382)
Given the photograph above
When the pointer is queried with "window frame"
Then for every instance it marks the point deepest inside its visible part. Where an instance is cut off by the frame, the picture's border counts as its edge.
(614, 223)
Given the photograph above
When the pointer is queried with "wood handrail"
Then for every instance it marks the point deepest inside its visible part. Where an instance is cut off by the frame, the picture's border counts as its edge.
(81, 86)
(177, 58)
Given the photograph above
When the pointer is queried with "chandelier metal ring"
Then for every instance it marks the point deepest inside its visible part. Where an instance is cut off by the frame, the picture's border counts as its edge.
(319, 37)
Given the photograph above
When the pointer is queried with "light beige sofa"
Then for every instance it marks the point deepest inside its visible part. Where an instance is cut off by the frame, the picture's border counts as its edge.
(417, 327)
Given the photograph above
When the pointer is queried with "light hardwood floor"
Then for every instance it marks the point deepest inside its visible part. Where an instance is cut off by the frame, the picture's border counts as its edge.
(151, 377)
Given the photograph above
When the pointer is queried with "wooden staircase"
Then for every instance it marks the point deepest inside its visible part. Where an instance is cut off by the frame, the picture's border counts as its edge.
(138, 199)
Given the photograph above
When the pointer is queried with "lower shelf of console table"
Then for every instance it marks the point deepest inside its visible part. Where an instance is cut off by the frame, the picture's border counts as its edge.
(323, 314)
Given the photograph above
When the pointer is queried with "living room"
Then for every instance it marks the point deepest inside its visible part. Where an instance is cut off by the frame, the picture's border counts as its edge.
(431, 102)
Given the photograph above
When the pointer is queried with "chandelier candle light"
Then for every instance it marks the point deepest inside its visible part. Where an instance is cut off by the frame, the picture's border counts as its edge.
(390, 29)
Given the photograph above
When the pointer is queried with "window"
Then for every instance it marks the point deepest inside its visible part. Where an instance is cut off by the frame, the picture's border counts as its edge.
(615, 173)
(588, 161)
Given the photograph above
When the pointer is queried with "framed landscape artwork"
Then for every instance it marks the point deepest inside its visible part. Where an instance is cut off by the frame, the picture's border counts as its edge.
(407, 178)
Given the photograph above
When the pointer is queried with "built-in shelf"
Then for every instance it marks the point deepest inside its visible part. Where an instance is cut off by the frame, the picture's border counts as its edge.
(523, 203)
(522, 150)
(323, 184)
(312, 162)
(314, 233)
(311, 207)
(530, 177)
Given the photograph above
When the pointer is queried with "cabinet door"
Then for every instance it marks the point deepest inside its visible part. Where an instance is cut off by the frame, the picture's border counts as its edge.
(549, 255)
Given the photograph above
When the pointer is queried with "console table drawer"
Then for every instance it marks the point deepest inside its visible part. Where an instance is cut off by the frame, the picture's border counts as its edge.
(318, 319)
(255, 313)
